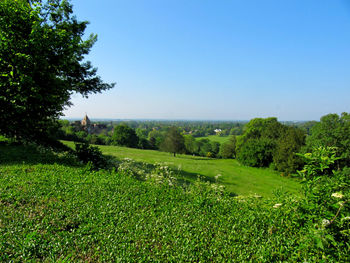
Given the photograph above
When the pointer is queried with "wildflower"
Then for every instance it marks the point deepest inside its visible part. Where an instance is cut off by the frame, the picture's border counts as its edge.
(345, 218)
(277, 205)
(325, 222)
(337, 195)
(217, 177)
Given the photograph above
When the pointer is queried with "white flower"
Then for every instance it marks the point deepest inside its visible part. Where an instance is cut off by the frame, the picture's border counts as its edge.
(325, 222)
(345, 218)
(277, 205)
(337, 195)
(217, 176)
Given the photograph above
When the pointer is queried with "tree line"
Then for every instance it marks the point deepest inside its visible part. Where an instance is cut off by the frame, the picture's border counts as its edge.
(42, 63)
(264, 142)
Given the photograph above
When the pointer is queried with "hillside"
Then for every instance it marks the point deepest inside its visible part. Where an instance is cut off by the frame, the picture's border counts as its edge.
(215, 138)
(236, 178)
(53, 209)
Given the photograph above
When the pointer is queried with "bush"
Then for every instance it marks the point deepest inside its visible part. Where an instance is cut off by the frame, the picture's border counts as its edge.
(284, 156)
(228, 149)
(326, 206)
(90, 155)
(256, 152)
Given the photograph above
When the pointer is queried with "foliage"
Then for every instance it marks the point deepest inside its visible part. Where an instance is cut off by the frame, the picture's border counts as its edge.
(41, 65)
(205, 147)
(228, 149)
(215, 148)
(91, 155)
(55, 212)
(157, 173)
(261, 128)
(173, 141)
(326, 206)
(256, 152)
(267, 142)
(190, 144)
(289, 143)
(236, 178)
(156, 138)
(258, 142)
(124, 135)
(332, 131)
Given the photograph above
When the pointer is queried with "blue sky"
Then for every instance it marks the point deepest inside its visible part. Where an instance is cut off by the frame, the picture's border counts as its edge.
(219, 60)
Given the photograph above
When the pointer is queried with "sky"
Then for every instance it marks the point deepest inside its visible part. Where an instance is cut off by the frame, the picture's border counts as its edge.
(217, 59)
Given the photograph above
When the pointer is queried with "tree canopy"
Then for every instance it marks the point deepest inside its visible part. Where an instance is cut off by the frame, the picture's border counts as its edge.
(173, 141)
(123, 135)
(41, 65)
(267, 141)
(332, 131)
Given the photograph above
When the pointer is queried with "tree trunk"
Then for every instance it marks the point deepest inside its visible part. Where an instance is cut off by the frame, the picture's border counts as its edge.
(174, 154)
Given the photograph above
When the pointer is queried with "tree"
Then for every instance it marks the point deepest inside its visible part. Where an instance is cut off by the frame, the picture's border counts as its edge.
(290, 143)
(41, 65)
(215, 148)
(256, 152)
(258, 142)
(204, 147)
(228, 149)
(332, 131)
(190, 144)
(173, 142)
(155, 138)
(123, 135)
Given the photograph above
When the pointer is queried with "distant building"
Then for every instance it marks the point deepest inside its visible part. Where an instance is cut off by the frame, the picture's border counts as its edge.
(92, 128)
(217, 131)
(85, 121)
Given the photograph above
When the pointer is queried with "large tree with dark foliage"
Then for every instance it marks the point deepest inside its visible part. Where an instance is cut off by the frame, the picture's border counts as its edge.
(289, 143)
(123, 135)
(173, 142)
(41, 65)
(332, 131)
(258, 142)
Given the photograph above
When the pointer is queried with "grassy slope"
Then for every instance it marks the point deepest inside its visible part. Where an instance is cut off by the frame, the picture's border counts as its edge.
(215, 138)
(55, 210)
(237, 179)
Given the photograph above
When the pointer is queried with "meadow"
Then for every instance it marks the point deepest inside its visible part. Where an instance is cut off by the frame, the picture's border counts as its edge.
(237, 179)
(55, 209)
(215, 138)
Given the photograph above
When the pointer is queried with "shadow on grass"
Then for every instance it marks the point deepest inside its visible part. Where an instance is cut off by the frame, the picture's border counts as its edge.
(194, 176)
(12, 154)
(183, 178)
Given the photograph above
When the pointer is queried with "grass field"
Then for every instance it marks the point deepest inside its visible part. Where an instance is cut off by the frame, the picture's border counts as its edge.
(215, 138)
(236, 178)
(56, 210)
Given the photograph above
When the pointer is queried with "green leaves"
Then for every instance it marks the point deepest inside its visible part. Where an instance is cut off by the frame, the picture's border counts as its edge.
(41, 65)
(319, 160)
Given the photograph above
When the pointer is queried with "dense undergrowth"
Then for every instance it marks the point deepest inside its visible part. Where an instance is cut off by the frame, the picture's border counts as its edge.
(53, 208)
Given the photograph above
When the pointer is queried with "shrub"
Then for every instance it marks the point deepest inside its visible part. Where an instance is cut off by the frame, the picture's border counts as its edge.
(90, 155)
(256, 152)
(228, 149)
(284, 156)
(326, 206)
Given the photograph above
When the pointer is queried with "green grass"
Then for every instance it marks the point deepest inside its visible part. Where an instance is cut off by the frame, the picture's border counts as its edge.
(215, 138)
(55, 210)
(236, 178)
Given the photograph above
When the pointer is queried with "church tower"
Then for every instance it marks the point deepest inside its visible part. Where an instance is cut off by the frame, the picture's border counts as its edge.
(86, 121)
